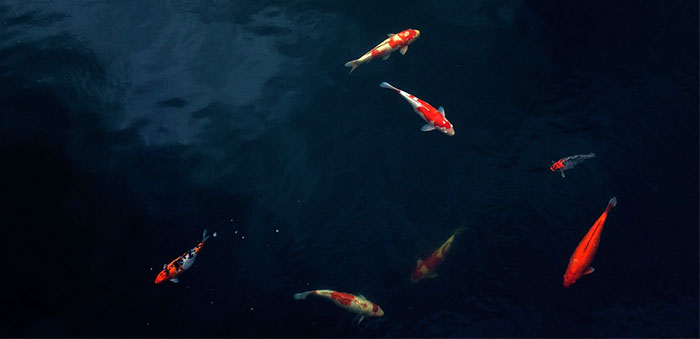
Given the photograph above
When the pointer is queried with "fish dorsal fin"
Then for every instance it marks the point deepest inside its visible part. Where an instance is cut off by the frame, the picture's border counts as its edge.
(390, 35)
(442, 111)
(165, 266)
(386, 56)
(589, 271)
(403, 50)
(419, 262)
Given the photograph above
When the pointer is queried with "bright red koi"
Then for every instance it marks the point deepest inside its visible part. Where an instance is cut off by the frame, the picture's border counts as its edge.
(580, 261)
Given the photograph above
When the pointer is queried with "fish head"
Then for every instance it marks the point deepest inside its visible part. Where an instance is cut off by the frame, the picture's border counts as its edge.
(416, 34)
(377, 311)
(445, 126)
(409, 35)
(417, 275)
(162, 277)
(556, 166)
(568, 280)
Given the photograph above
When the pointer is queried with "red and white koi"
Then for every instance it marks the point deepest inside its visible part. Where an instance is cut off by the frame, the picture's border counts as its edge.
(356, 304)
(394, 42)
(434, 118)
(569, 162)
(426, 268)
(580, 261)
(182, 263)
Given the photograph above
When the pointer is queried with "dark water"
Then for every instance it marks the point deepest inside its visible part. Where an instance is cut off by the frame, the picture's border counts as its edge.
(129, 126)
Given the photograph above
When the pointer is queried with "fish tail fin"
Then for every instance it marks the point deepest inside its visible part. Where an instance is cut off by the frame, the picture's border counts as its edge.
(302, 295)
(460, 229)
(612, 203)
(385, 84)
(206, 237)
(353, 64)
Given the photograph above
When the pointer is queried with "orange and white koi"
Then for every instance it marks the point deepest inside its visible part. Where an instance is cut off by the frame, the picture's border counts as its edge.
(356, 304)
(394, 42)
(580, 261)
(569, 162)
(182, 263)
(434, 118)
(426, 268)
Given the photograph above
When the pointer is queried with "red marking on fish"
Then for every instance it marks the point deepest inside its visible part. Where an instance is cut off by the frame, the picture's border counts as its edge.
(343, 298)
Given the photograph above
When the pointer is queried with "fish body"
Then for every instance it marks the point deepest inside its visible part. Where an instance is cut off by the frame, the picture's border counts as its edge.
(395, 42)
(435, 118)
(581, 259)
(569, 162)
(182, 263)
(426, 268)
(353, 303)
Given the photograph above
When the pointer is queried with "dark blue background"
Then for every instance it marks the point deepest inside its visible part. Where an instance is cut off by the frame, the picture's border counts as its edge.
(127, 127)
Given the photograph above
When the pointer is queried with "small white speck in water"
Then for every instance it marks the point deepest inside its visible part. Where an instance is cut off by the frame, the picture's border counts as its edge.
(235, 232)
(243, 237)
(251, 308)
(211, 302)
(277, 231)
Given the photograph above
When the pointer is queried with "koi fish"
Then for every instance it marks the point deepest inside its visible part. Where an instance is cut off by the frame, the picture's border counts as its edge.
(435, 118)
(394, 42)
(569, 162)
(580, 261)
(426, 268)
(182, 263)
(356, 304)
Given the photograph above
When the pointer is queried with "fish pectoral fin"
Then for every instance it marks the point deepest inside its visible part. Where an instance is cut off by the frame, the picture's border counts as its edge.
(418, 262)
(390, 34)
(362, 317)
(386, 56)
(562, 174)
(427, 128)
(165, 266)
(589, 271)
(431, 275)
(403, 50)
(175, 280)
(442, 111)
